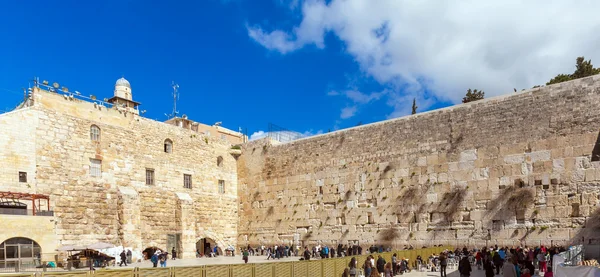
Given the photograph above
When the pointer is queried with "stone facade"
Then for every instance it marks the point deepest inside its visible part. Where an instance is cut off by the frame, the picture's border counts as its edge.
(50, 140)
(520, 168)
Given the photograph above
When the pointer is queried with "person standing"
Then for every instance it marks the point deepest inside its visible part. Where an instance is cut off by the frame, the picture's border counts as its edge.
(173, 254)
(154, 259)
(245, 256)
(541, 257)
(488, 266)
(464, 267)
(163, 259)
(129, 256)
(367, 267)
(509, 267)
(380, 264)
(498, 261)
(443, 264)
(306, 254)
(123, 258)
(352, 266)
(387, 271)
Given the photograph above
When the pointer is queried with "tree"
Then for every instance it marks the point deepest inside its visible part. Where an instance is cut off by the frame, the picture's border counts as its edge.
(414, 106)
(473, 95)
(583, 68)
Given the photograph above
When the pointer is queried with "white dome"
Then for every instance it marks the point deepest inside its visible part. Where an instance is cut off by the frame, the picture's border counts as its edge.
(123, 82)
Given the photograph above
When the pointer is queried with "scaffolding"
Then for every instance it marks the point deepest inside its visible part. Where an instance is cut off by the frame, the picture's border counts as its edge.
(282, 134)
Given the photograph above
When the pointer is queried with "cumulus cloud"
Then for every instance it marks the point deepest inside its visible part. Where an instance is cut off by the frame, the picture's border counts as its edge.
(435, 50)
(258, 135)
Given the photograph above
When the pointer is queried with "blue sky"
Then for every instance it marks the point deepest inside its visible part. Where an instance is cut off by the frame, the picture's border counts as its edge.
(309, 66)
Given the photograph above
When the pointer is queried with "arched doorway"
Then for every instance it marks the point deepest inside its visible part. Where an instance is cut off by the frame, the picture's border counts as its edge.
(205, 246)
(18, 251)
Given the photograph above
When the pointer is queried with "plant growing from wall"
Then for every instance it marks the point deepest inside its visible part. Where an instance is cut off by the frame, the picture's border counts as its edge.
(206, 140)
(270, 211)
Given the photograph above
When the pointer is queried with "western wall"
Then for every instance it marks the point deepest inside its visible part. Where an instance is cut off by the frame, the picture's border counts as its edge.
(517, 169)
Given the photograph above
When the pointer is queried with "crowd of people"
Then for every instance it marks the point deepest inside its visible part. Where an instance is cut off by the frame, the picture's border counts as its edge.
(508, 262)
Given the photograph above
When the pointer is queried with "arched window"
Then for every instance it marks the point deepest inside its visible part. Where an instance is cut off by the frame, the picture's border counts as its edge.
(219, 161)
(95, 133)
(168, 146)
(19, 250)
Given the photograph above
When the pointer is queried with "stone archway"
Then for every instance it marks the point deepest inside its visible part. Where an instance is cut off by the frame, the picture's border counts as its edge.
(206, 245)
(16, 251)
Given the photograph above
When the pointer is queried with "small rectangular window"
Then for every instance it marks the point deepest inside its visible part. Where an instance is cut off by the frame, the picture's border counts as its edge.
(149, 176)
(95, 168)
(370, 218)
(22, 177)
(221, 186)
(187, 181)
(321, 190)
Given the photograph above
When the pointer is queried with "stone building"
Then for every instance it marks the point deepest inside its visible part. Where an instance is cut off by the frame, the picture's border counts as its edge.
(112, 175)
(519, 168)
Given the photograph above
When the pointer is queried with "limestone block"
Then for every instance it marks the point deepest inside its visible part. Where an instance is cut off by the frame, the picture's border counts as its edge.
(468, 155)
(514, 159)
(537, 156)
(562, 211)
(590, 174)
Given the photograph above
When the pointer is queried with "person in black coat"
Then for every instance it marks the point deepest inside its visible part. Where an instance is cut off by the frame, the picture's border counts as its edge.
(488, 266)
(123, 258)
(464, 266)
(380, 263)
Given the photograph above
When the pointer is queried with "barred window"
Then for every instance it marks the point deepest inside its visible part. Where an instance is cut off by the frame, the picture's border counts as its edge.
(168, 146)
(187, 181)
(22, 177)
(149, 176)
(221, 186)
(95, 168)
(95, 133)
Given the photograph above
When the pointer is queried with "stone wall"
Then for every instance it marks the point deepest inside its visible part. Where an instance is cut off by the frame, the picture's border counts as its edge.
(37, 228)
(17, 149)
(517, 168)
(119, 207)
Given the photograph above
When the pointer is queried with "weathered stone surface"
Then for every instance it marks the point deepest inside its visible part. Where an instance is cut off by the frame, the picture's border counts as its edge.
(460, 168)
(50, 141)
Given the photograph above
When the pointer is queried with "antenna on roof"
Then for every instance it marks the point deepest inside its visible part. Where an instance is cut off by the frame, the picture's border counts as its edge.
(175, 97)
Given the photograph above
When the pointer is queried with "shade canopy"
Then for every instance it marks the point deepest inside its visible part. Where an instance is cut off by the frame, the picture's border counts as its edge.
(70, 248)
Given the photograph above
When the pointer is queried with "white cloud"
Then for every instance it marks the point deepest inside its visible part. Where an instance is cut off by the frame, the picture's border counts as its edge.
(362, 98)
(358, 99)
(258, 135)
(348, 112)
(438, 49)
(284, 135)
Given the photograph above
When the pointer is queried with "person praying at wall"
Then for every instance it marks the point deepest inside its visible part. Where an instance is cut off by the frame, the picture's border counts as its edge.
(173, 254)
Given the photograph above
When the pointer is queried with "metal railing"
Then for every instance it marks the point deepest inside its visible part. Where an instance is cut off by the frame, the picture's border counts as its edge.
(10, 211)
(313, 268)
(33, 265)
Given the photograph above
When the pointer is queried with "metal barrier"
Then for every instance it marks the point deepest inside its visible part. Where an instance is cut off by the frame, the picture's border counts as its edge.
(315, 268)
(66, 274)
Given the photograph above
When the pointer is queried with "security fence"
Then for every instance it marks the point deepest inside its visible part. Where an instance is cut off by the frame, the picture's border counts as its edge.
(332, 267)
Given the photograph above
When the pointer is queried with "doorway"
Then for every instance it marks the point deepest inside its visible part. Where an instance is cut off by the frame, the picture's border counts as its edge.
(18, 251)
(206, 245)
